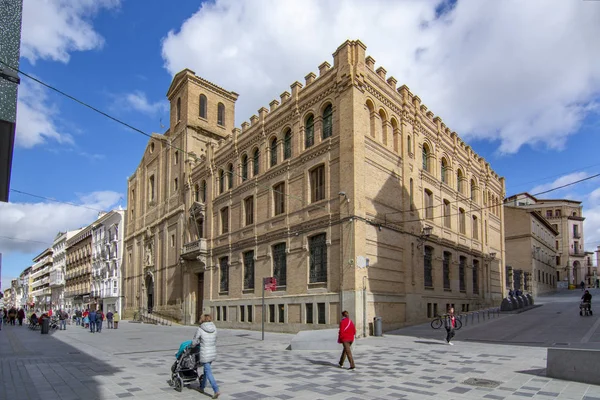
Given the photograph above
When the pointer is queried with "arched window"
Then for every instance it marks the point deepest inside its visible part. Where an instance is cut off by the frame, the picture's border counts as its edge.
(255, 162)
(230, 176)
(371, 110)
(221, 114)
(203, 105)
(473, 190)
(444, 170)
(309, 129)
(273, 152)
(327, 122)
(459, 181)
(425, 157)
(383, 118)
(287, 144)
(203, 191)
(395, 134)
(221, 181)
(178, 109)
(196, 192)
(244, 167)
(428, 204)
(411, 194)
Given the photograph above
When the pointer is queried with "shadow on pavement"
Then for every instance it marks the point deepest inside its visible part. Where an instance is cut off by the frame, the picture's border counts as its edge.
(36, 367)
(321, 362)
(535, 371)
(431, 343)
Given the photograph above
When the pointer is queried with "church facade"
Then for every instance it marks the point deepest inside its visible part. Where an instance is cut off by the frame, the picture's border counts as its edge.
(346, 190)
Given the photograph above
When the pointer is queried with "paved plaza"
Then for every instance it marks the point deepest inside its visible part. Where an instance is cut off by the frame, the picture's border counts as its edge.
(415, 363)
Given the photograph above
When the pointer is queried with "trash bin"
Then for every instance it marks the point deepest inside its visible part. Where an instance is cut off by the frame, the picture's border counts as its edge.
(45, 326)
(377, 327)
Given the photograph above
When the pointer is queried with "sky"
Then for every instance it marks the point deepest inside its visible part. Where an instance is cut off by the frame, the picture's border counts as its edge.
(518, 81)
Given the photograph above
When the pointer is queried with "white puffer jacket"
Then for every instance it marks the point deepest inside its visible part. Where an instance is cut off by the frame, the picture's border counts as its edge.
(206, 336)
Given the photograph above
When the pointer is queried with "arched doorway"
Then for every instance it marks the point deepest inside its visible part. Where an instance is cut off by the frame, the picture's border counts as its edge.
(149, 292)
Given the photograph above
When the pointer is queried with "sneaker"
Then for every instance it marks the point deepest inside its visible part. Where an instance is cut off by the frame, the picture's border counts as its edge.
(451, 344)
(340, 365)
(201, 390)
(352, 369)
(216, 395)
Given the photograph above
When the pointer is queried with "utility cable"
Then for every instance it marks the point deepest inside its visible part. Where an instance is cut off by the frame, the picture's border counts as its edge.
(55, 201)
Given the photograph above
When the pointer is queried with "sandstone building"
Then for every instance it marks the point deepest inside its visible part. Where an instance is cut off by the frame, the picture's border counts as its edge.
(78, 268)
(566, 217)
(530, 251)
(347, 190)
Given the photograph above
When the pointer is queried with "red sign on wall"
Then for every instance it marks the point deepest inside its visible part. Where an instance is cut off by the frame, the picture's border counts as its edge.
(270, 283)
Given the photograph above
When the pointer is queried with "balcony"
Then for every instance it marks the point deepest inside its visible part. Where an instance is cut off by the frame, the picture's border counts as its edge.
(576, 235)
(576, 253)
(192, 250)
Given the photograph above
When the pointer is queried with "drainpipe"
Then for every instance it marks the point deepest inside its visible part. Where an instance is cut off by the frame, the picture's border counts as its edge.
(364, 308)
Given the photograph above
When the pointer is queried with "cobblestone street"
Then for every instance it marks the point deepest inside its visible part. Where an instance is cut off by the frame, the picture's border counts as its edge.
(134, 361)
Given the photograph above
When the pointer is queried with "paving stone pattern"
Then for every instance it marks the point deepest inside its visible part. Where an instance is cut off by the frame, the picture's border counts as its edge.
(134, 362)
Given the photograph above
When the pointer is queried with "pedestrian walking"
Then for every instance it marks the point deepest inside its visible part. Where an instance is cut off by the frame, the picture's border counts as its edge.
(21, 316)
(346, 336)
(99, 319)
(78, 316)
(116, 319)
(450, 324)
(582, 284)
(109, 320)
(92, 318)
(206, 336)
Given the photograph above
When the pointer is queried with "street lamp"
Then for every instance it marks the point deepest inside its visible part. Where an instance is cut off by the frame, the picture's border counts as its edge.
(425, 233)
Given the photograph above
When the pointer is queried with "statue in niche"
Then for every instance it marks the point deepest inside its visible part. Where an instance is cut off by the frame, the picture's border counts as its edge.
(149, 257)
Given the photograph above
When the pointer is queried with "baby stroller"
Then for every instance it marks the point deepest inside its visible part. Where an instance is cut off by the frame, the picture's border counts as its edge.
(585, 308)
(184, 370)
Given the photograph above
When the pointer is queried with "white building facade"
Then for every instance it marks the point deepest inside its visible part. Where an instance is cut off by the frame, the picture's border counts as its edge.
(58, 271)
(107, 257)
(40, 280)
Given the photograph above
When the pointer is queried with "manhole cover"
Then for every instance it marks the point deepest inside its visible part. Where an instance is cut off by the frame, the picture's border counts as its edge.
(485, 383)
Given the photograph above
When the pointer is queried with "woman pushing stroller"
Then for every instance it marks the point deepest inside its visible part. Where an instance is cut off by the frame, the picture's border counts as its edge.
(184, 370)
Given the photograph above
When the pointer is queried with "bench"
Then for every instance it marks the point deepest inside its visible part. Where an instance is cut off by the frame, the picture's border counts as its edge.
(579, 365)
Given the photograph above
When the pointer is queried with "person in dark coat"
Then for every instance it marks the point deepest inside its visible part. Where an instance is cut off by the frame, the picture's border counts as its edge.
(92, 317)
(21, 316)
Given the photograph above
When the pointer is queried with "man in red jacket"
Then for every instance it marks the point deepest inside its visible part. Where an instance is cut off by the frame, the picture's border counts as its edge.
(346, 338)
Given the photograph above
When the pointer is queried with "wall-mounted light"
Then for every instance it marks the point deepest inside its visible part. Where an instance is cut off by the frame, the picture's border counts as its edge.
(345, 196)
(425, 233)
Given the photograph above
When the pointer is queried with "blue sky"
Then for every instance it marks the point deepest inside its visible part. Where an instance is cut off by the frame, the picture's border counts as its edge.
(523, 93)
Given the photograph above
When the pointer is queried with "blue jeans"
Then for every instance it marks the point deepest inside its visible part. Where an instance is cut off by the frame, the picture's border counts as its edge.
(208, 375)
(109, 323)
(63, 324)
(92, 326)
(78, 321)
(99, 325)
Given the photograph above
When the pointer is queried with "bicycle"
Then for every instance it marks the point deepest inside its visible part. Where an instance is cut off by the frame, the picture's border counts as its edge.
(438, 322)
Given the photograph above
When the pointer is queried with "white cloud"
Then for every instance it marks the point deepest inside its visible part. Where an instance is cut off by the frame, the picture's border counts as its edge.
(54, 28)
(40, 222)
(561, 181)
(36, 117)
(498, 70)
(139, 102)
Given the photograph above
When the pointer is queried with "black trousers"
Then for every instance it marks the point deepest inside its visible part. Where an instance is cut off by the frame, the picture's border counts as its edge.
(449, 334)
